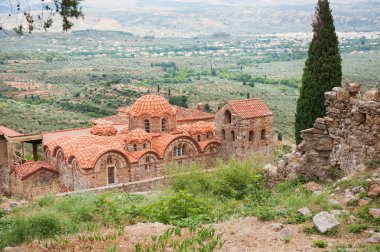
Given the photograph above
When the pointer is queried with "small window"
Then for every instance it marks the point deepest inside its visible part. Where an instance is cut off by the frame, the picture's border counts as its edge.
(164, 125)
(223, 134)
(134, 147)
(147, 125)
(233, 135)
(227, 116)
(198, 138)
(144, 145)
(111, 175)
(251, 136)
(109, 160)
(208, 135)
(263, 134)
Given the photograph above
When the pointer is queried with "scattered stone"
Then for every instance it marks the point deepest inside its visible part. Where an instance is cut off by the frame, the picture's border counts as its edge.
(286, 234)
(374, 212)
(364, 201)
(337, 188)
(361, 168)
(313, 186)
(334, 202)
(349, 196)
(324, 221)
(13, 205)
(276, 226)
(357, 189)
(304, 212)
(374, 190)
(375, 238)
(352, 219)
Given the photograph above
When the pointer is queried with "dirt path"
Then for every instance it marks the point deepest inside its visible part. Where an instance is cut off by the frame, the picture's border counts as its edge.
(243, 234)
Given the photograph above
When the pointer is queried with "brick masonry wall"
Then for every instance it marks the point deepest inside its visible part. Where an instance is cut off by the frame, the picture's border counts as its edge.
(343, 141)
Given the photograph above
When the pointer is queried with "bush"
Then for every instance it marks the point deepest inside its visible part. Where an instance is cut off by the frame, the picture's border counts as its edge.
(319, 244)
(181, 208)
(357, 228)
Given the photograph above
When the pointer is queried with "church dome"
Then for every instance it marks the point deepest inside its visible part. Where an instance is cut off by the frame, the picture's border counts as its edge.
(138, 136)
(103, 130)
(124, 131)
(153, 105)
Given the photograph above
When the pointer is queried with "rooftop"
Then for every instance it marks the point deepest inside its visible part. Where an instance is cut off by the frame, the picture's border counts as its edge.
(250, 108)
(4, 131)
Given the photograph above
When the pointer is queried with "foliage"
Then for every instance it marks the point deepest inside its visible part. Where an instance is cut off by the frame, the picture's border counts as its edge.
(357, 228)
(198, 239)
(179, 101)
(319, 244)
(322, 71)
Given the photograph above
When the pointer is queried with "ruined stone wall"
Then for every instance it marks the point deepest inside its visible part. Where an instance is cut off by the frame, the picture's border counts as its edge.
(37, 184)
(342, 142)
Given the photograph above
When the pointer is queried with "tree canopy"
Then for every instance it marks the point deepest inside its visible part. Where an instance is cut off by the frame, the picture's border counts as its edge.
(322, 71)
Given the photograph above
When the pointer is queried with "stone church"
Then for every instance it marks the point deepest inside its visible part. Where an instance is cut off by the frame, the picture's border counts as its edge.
(134, 145)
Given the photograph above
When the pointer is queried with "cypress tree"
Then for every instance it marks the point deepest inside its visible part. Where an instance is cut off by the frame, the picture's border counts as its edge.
(322, 71)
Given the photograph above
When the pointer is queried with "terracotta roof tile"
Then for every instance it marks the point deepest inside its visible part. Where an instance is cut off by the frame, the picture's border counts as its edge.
(204, 144)
(104, 130)
(4, 131)
(191, 115)
(202, 128)
(250, 108)
(153, 105)
(138, 136)
(29, 168)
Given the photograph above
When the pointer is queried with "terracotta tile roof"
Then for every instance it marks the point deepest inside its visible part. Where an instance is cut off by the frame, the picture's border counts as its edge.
(160, 143)
(103, 130)
(204, 144)
(181, 129)
(250, 108)
(4, 131)
(113, 120)
(124, 131)
(153, 105)
(138, 136)
(29, 168)
(202, 128)
(191, 115)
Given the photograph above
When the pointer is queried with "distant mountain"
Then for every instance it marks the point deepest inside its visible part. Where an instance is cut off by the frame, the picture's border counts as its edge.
(198, 17)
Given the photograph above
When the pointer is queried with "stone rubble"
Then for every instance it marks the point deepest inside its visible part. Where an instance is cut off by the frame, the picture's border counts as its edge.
(342, 142)
(325, 221)
(304, 212)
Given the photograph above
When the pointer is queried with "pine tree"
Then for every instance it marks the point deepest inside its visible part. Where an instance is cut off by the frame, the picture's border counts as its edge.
(322, 71)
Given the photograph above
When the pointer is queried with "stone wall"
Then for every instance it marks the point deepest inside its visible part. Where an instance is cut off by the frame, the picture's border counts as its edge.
(244, 138)
(342, 142)
(6, 164)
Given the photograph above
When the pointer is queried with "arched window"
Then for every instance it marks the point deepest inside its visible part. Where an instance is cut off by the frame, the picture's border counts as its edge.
(198, 138)
(227, 116)
(175, 151)
(233, 135)
(60, 158)
(208, 135)
(263, 134)
(223, 134)
(164, 124)
(251, 136)
(134, 147)
(147, 125)
(144, 145)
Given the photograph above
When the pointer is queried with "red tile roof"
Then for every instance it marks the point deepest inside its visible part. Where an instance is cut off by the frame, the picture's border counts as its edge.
(138, 136)
(190, 115)
(202, 128)
(114, 120)
(160, 143)
(250, 108)
(103, 130)
(153, 105)
(29, 168)
(4, 131)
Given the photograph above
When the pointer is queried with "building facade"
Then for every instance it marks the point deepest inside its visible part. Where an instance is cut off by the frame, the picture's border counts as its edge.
(137, 144)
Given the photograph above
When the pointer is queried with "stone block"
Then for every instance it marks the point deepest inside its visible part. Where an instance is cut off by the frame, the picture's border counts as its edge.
(325, 221)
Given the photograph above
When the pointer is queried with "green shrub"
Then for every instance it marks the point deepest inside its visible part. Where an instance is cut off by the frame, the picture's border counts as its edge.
(45, 201)
(357, 228)
(319, 244)
(181, 208)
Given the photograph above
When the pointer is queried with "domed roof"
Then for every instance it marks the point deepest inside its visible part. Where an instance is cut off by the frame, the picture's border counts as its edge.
(154, 105)
(182, 129)
(124, 131)
(202, 128)
(103, 130)
(138, 135)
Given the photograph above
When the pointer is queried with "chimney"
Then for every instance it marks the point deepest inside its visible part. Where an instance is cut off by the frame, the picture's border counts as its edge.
(201, 107)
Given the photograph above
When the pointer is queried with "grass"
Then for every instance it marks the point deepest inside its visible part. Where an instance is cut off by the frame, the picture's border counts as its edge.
(319, 244)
